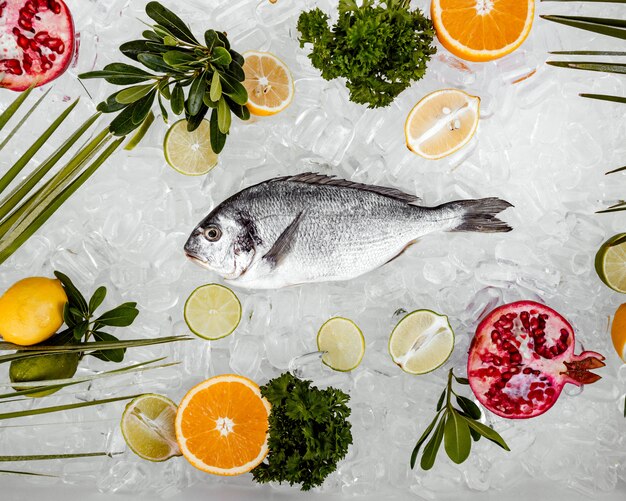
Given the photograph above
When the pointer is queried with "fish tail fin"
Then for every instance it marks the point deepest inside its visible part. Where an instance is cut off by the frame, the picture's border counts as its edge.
(479, 215)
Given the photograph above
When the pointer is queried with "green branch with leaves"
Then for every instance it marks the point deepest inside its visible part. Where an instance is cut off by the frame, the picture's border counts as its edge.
(175, 61)
(456, 427)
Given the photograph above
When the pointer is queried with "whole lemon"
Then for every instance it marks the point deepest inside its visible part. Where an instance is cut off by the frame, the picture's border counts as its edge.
(31, 310)
(43, 368)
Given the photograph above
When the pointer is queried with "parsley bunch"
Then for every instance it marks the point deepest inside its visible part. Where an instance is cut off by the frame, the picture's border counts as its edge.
(380, 47)
(309, 432)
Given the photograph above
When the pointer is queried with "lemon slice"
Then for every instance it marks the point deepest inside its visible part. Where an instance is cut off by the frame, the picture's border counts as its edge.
(611, 262)
(189, 153)
(212, 311)
(442, 123)
(148, 427)
(343, 344)
(269, 83)
(421, 342)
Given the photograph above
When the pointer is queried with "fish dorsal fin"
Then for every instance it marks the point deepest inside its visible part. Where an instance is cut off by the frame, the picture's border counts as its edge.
(323, 180)
(283, 243)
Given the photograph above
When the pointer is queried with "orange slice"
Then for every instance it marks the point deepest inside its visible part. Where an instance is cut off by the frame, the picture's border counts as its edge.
(268, 82)
(618, 332)
(482, 30)
(442, 123)
(221, 425)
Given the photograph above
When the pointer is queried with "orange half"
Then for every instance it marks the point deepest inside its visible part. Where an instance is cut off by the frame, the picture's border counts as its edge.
(618, 332)
(269, 83)
(482, 30)
(221, 425)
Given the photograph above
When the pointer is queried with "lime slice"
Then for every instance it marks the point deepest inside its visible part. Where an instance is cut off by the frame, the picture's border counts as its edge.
(421, 342)
(611, 262)
(343, 344)
(148, 427)
(212, 311)
(189, 153)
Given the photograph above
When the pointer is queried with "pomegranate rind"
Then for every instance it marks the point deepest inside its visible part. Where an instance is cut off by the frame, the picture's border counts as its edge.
(534, 375)
(58, 27)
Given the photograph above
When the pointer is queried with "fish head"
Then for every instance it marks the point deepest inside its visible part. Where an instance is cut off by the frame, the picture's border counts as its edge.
(224, 244)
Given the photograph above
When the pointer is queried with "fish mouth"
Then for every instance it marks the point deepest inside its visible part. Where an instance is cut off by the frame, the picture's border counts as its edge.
(197, 260)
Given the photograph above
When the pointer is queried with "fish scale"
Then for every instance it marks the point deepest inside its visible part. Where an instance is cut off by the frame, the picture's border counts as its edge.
(314, 228)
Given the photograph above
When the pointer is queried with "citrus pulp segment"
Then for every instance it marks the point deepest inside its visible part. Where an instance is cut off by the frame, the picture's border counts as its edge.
(212, 311)
(482, 30)
(618, 332)
(343, 344)
(189, 153)
(422, 341)
(269, 83)
(221, 425)
(441, 123)
(148, 427)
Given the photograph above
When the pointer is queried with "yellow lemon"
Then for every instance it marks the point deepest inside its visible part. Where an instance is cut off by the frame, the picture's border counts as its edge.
(31, 310)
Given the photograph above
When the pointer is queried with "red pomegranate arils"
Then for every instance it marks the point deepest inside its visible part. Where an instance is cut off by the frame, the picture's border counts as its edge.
(521, 357)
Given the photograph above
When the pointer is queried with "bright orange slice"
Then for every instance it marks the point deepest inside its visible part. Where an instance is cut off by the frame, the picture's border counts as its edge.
(268, 82)
(482, 30)
(618, 332)
(442, 123)
(221, 425)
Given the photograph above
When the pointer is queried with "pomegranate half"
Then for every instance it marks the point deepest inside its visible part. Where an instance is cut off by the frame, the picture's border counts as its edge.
(36, 42)
(521, 357)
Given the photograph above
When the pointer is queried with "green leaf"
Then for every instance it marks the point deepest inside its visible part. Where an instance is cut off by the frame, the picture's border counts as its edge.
(422, 439)
(151, 35)
(457, 438)
(236, 71)
(237, 58)
(97, 298)
(240, 111)
(122, 316)
(142, 107)
(461, 380)
(143, 129)
(115, 355)
(171, 21)
(233, 88)
(221, 56)
(111, 104)
(133, 48)
(469, 407)
(432, 447)
(170, 41)
(619, 68)
(119, 74)
(164, 113)
(13, 107)
(178, 57)
(211, 40)
(12, 173)
(609, 27)
(441, 399)
(475, 435)
(223, 38)
(178, 99)
(488, 433)
(603, 97)
(74, 296)
(223, 116)
(216, 87)
(154, 62)
(196, 94)
(8, 113)
(45, 457)
(123, 123)
(133, 94)
(218, 139)
(62, 408)
(80, 330)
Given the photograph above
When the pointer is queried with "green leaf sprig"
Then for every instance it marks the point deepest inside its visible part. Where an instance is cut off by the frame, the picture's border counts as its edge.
(381, 47)
(456, 427)
(309, 432)
(83, 324)
(210, 74)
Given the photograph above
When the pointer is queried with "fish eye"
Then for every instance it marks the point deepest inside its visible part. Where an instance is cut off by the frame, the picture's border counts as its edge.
(212, 233)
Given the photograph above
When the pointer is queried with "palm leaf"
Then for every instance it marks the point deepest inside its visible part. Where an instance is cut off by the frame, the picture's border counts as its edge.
(13, 107)
(591, 66)
(46, 457)
(603, 97)
(18, 126)
(610, 27)
(587, 53)
(13, 472)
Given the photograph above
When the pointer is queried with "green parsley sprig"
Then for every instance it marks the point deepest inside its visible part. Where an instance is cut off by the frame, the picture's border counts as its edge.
(309, 432)
(82, 323)
(380, 47)
(212, 72)
(455, 427)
